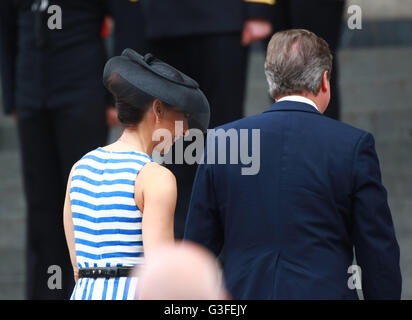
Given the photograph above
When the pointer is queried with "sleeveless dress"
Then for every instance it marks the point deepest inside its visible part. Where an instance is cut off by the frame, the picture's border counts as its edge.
(107, 222)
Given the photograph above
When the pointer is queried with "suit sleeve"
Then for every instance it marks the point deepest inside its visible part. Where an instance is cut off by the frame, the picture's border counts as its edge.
(258, 9)
(376, 247)
(8, 53)
(203, 224)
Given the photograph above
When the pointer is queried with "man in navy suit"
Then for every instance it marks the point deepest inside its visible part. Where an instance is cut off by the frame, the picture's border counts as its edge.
(290, 230)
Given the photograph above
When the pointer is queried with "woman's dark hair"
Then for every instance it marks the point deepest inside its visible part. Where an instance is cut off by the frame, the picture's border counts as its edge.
(131, 103)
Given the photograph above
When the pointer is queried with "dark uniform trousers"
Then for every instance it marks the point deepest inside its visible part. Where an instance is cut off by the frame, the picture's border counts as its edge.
(52, 79)
(51, 141)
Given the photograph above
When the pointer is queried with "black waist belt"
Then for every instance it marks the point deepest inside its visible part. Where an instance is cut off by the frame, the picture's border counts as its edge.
(105, 272)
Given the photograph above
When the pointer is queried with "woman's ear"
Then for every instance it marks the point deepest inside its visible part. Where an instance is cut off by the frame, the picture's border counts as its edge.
(157, 109)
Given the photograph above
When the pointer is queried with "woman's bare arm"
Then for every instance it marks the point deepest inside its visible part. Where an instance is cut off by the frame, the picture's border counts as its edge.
(69, 228)
(156, 193)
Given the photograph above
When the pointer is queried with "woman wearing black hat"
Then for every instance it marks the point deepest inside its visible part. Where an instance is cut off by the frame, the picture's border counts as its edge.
(118, 200)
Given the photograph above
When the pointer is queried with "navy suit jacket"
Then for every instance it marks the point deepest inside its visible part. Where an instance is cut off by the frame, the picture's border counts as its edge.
(290, 231)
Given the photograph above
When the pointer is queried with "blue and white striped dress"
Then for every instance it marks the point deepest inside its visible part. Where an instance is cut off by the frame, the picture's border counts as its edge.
(107, 222)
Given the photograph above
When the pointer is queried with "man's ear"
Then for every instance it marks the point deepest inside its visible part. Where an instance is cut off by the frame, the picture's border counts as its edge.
(325, 81)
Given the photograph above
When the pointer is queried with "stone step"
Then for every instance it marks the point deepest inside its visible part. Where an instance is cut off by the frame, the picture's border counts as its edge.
(11, 187)
(398, 183)
(13, 263)
(361, 64)
(383, 9)
(8, 134)
(12, 289)
(12, 233)
(394, 158)
(376, 96)
(12, 270)
(387, 126)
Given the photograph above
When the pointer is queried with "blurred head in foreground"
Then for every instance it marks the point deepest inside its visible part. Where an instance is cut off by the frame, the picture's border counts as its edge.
(185, 271)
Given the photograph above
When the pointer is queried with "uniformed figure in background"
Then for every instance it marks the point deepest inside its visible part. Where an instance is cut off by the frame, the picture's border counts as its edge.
(52, 84)
(208, 40)
(129, 26)
(322, 17)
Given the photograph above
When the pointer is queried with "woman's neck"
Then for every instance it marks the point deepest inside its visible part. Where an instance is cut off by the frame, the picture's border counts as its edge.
(138, 140)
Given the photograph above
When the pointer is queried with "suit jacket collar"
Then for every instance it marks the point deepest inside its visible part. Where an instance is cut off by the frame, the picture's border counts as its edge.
(292, 106)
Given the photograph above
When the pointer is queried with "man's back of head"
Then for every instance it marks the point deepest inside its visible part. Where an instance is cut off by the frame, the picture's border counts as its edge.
(299, 63)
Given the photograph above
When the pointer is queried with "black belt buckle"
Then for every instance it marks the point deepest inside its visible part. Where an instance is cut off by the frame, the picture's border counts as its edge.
(104, 272)
(111, 272)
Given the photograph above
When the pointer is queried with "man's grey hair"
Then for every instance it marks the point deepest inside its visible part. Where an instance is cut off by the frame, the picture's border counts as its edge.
(295, 62)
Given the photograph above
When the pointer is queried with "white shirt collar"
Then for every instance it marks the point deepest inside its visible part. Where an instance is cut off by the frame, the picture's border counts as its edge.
(299, 99)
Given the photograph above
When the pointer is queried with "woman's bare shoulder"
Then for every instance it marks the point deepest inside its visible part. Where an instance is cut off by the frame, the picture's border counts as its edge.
(73, 168)
(154, 184)
(155, 174)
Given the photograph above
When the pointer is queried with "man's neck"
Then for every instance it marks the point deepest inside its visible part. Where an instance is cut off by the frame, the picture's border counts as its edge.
(299, 98)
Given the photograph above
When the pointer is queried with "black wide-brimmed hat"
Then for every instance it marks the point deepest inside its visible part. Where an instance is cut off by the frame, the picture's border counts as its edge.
(162, 81)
